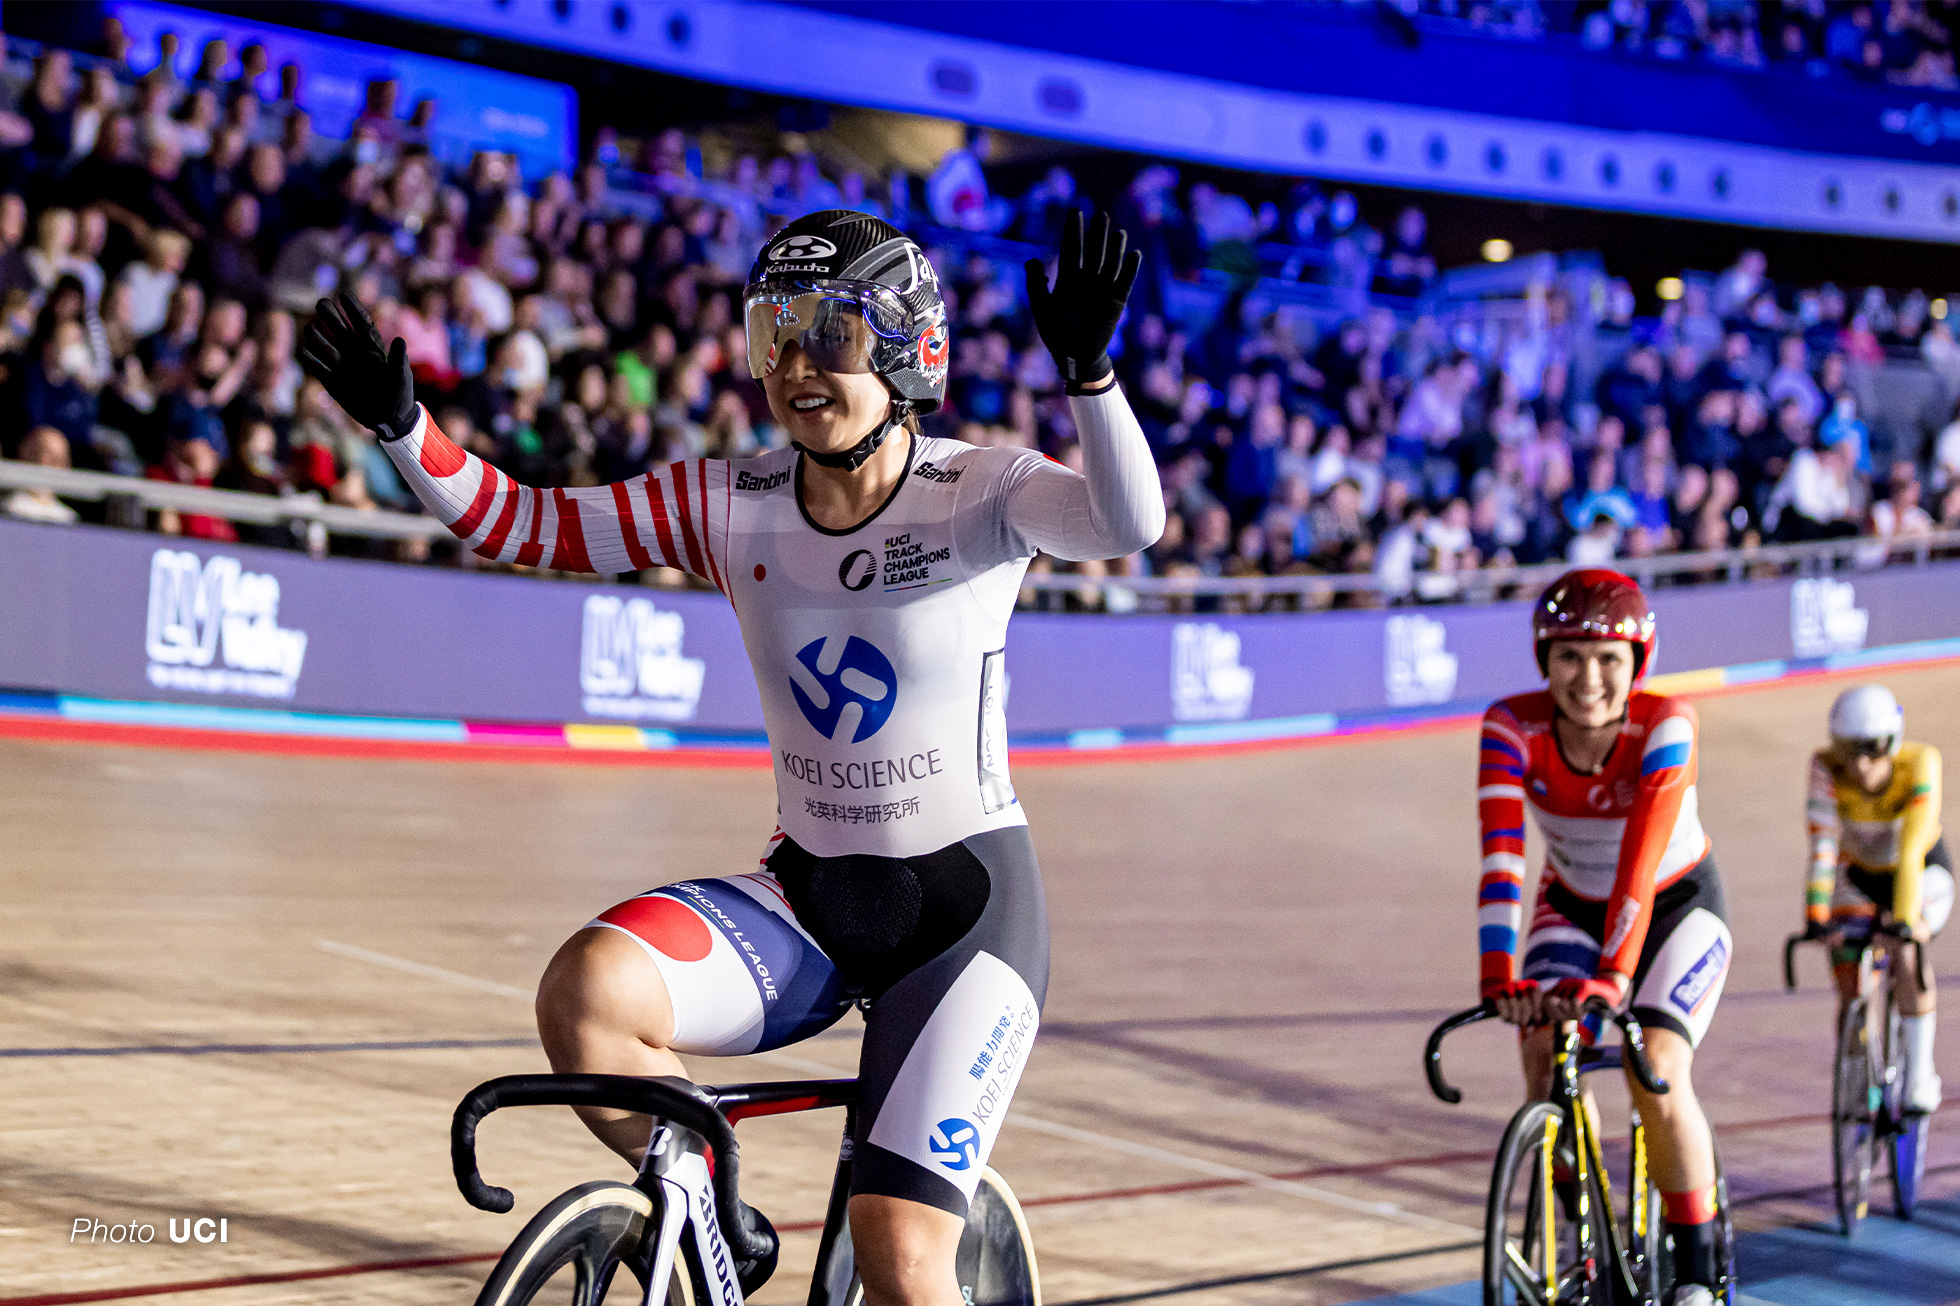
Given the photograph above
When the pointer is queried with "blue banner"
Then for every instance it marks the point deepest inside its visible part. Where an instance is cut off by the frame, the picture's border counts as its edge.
(478, 108)
(1323, 50)
(125, 617)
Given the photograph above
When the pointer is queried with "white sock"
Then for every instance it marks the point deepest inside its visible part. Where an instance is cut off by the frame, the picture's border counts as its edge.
(1919, 1047)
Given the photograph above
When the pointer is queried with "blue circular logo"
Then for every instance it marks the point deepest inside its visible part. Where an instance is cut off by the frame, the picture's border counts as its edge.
(850, 689)
(955, 1142)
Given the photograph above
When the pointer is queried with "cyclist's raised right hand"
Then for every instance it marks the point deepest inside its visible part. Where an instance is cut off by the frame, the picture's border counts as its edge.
(1516, 1001)
(365, 377)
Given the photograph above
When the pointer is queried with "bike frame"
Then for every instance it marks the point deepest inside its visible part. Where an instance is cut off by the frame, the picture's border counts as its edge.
(1877, 979)
(1570, 1061)
(690, 1169)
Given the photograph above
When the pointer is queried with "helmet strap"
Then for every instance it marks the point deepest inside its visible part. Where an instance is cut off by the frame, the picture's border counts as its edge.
(855, 457)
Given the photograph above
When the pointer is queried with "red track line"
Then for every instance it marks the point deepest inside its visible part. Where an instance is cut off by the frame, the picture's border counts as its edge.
(244, 741)
(243, 1280)
(1436, 1160)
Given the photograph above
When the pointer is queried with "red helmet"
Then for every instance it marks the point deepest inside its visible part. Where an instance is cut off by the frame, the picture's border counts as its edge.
(1594, 603)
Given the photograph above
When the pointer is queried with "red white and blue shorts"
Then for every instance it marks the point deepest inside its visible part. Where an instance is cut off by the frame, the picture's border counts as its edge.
(1683, 964)
(949, 950)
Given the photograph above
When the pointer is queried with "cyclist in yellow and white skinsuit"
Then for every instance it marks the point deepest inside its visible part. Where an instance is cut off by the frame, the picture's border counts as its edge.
(1876, 857)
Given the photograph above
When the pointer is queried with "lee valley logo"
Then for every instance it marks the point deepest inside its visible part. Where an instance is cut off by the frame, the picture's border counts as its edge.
(1416, 668)
(631, 665)
(1825, 618)
(214, 629)
(1207, 681)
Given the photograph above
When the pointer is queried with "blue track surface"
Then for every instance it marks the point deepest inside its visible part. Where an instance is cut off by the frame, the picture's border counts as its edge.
(1888, 1264)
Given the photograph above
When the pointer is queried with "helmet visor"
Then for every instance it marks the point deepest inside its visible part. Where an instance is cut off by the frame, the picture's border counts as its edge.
(843, 328)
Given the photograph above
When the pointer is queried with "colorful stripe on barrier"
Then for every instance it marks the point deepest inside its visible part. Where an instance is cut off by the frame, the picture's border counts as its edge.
(37, 714)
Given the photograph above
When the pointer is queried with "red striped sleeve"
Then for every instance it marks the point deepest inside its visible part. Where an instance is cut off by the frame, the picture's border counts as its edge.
(439, 455)
(1501, 767)
(568, 550)
(630, 533)
(662, 527)
(1667, 773)
(695, 564)
(493, 543)
(532, 549)
(486, 494)
(707, 536)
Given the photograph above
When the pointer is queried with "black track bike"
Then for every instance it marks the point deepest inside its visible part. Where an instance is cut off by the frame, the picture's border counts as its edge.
(1868, 1087)
(1552, 1236)
(680, 1228)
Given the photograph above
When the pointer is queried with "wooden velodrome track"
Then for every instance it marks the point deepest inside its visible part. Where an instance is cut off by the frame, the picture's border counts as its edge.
(254, 987)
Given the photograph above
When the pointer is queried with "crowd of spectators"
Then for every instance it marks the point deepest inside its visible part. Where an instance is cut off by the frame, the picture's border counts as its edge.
(161, 238)
(1903, 42)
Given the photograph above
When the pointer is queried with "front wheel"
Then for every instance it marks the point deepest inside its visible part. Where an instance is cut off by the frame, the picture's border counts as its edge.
(1905, 1149)
(1908, 1165)
(1855, 1093)
(1542, 1241)
(570, 1251)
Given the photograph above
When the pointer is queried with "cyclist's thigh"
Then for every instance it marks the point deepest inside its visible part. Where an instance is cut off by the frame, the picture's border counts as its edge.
(945, 1045)
(742, 975)
(1684, 964)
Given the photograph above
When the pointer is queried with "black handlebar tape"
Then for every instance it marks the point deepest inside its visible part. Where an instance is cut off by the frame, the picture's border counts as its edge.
(676, 1100)
(1432, 1057)
(1633, 1046)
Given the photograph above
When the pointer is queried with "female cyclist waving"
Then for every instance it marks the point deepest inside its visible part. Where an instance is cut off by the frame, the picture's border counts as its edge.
(873, 570)
(1629, 904)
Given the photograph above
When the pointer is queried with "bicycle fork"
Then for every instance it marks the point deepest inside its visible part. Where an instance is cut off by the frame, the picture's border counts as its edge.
(675, 1170)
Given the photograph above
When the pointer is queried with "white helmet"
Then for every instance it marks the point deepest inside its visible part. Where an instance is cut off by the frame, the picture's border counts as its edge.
(1868, 712)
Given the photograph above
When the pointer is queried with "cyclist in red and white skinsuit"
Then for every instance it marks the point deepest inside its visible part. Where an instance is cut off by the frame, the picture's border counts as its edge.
(1629, 904)
(873, 569)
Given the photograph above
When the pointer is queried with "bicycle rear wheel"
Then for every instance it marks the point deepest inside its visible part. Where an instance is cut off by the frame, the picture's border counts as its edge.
(571, 1250)
(1534, 1254)
(995, 1265)
(1854, 1099)
(995, 1261)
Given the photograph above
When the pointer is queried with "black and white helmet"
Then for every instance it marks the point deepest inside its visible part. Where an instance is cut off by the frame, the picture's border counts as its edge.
(840, 259)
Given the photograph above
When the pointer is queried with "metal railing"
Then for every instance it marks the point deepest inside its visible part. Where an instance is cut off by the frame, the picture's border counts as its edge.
(1488, 583)
(1479, 585)
(232, 505)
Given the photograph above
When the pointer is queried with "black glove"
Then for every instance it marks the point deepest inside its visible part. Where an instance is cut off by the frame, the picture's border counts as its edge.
(371, 381)
(1077, 318)
(1815, 930)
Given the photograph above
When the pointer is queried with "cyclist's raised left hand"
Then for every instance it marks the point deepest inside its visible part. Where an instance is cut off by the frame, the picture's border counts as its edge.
(366, 377)
(1077, 319)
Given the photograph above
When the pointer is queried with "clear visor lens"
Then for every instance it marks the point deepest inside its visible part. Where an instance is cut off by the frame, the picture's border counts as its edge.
(841, 331)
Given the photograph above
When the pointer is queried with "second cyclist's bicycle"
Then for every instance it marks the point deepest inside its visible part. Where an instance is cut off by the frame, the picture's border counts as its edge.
(1868, 1086)
(680, 1228)
(1551, 1234)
